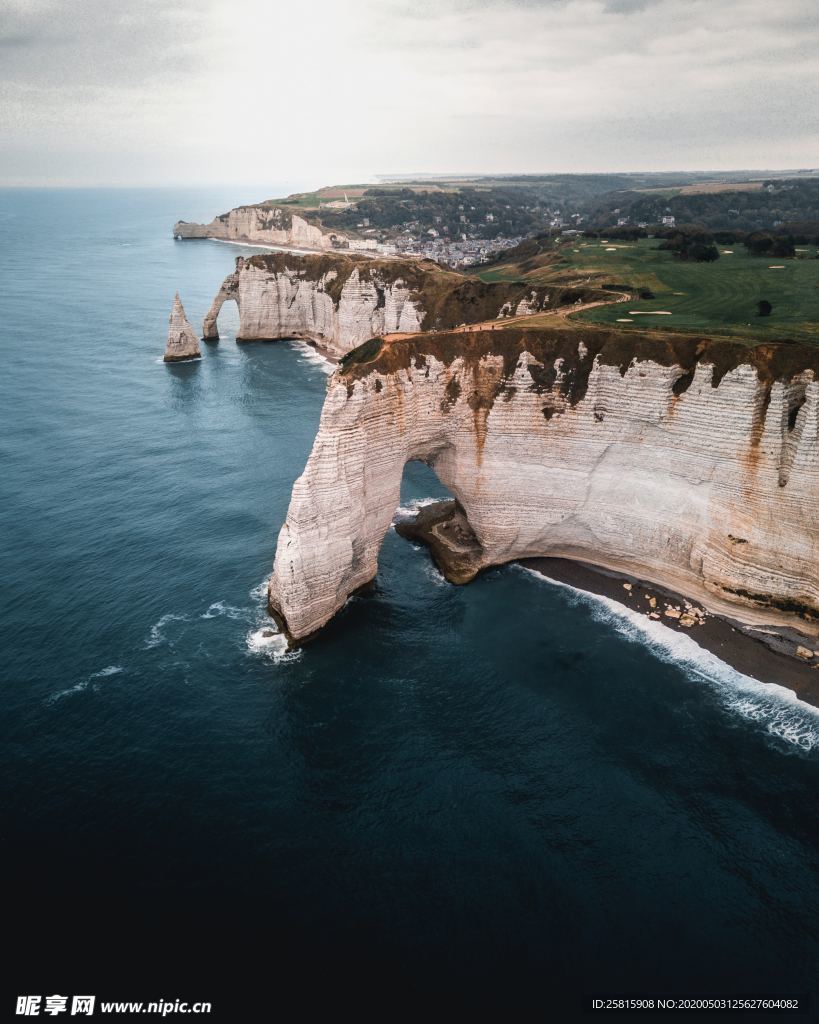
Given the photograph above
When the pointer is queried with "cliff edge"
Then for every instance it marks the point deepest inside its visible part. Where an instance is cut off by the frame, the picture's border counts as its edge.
(691, 463)
(271, 225)
(339, 301)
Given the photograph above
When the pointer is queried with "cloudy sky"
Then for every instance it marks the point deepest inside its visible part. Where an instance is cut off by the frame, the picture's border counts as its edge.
(247, 91)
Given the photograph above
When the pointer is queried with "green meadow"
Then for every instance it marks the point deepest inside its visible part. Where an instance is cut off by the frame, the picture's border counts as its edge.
(719, 297)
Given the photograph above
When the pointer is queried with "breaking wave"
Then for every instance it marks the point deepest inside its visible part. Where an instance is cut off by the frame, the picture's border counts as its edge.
(308, 354)
(265, 639)
(258, 245)
(434, 573)
(272, 644)
(775, 709)
(259, 592)
(261, 638)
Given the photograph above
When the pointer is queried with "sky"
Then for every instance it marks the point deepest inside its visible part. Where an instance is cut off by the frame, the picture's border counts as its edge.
(206, 92)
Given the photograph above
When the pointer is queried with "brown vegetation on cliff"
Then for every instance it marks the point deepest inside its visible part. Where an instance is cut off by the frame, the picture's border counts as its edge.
(577, 350)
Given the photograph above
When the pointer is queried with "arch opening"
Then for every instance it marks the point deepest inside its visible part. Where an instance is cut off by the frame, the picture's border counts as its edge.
(420, 487)
(227, 293)
(437, 519)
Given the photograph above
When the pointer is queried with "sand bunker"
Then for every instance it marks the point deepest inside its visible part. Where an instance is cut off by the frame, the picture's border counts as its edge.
(779, 266)
(624, 320)
(649, 312)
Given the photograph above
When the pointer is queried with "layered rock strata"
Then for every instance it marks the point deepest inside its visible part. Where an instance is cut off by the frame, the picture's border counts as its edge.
(339, 301)
(182, 342)
(691, 464)
(269, 225)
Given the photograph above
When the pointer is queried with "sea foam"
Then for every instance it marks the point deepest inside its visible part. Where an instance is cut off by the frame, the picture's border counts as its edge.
(775, 709)
(265, 639)
(156, 635)
(259, 592)
(89, 681)
(308, 354)
(221, 610)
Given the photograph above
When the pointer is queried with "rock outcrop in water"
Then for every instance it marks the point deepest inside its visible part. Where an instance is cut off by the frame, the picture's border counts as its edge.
(692, 464)
(182, 342)
(269, 225)
(340, 301)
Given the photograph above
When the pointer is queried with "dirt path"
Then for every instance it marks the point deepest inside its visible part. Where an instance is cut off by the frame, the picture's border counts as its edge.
(561, 313)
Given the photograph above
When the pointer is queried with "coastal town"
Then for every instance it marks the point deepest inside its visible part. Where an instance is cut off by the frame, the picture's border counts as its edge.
(463, 252)
(459, 228)
(472, 242)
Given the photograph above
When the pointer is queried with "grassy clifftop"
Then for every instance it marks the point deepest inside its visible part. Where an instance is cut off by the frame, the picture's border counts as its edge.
(715, 298)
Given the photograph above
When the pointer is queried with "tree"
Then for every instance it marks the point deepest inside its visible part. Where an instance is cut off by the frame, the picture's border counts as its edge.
(702, 252)
(763, 307)
(690, 242)
(762, 243)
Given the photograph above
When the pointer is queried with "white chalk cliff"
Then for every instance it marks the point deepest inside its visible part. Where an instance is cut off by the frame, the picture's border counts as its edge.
(182, 342)
(340, 301)
(261, 224)
(692, 464)
(280, 298)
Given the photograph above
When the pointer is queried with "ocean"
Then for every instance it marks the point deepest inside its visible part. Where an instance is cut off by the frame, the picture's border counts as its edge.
(510, 794)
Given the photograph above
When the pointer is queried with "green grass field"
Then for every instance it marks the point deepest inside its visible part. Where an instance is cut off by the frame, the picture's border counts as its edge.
(718, 297)
(501, 274)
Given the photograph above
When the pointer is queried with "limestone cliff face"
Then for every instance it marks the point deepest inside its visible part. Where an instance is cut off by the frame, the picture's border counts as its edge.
(340, 301)
(690, 464)
(269, 225)
(182, 342)
(335, 301)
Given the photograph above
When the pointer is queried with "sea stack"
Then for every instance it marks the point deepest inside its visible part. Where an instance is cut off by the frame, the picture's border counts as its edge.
(182, 342)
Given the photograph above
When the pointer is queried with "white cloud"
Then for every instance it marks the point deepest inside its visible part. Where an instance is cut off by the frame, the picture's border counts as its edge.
(248, 90)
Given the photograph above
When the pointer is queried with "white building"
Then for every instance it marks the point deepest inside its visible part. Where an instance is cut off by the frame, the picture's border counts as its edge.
(364, 244)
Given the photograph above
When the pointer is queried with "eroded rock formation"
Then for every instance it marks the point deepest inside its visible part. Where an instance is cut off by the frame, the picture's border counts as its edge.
(692, 464)
(182, 342)
(340, 301)
(267, 224)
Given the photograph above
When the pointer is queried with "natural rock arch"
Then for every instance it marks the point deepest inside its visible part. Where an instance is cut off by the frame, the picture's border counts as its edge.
(229, 290)
(551, 449)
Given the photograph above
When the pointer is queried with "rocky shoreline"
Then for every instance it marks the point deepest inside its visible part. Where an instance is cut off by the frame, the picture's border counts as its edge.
(770, 656)
(444, 529)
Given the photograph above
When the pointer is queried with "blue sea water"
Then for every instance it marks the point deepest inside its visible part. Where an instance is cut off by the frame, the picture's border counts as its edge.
(504, 794)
